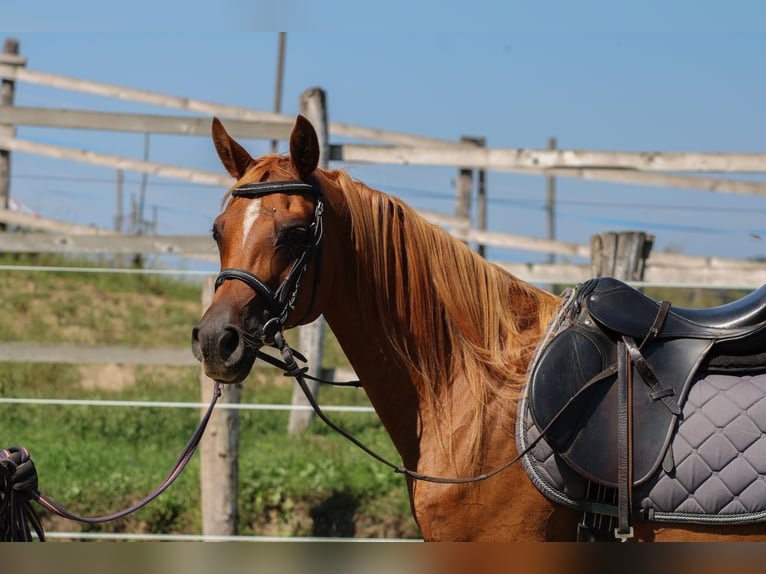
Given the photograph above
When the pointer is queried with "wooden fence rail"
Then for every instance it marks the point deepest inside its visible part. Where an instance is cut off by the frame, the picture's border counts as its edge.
(645, 168)
(64, 353)
(139, 123)
(533, 160)
(116, 162)
(662, 268)
(21, 74)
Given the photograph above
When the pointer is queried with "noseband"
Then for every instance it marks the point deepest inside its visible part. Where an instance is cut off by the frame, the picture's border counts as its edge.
(280, 303)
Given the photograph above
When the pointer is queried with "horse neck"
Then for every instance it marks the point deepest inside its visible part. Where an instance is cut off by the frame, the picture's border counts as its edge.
(401, 384)
(361, 333)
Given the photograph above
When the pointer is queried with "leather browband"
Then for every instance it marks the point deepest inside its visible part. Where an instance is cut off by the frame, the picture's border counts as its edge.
(260, 188)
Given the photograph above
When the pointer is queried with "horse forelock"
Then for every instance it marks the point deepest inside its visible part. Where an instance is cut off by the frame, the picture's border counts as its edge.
(447, 313)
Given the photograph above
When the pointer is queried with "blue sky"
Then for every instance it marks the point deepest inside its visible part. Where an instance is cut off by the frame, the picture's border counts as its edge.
(649, 76)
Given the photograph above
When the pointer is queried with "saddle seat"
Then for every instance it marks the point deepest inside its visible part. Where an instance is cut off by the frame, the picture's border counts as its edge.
(626, 310)
(571, 387)
(748, 311)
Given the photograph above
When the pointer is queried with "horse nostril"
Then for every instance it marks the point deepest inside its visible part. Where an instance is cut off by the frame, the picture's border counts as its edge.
(230, 346)
(195, 344)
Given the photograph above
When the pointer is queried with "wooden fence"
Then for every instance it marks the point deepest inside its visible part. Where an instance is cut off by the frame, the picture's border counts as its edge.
(468, 158)
(647, 168)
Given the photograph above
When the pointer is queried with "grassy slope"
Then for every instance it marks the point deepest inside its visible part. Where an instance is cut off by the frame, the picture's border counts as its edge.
(95, 461)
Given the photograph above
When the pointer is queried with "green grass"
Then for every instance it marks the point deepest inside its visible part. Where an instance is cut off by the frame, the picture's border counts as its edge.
(97, 460)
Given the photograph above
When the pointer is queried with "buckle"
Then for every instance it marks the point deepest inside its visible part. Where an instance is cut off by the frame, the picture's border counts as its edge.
(269, 329)
(623, 536)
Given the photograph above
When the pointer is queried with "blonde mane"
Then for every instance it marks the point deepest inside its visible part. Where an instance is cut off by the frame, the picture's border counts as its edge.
(446, 312)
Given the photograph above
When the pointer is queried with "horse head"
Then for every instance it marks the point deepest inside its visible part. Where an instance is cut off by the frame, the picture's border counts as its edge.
(269, 237)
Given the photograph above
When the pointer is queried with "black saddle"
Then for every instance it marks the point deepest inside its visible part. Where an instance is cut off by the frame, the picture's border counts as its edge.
(608, 381)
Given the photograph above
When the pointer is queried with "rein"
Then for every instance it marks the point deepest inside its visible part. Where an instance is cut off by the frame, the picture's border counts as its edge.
(18, 487)
(280, 303)
(291, 369)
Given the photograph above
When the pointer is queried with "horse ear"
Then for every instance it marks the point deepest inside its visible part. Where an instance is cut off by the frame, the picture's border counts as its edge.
(234, 157)
(304, 147)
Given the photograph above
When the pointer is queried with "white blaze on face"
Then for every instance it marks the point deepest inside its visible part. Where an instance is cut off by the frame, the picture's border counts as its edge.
(251, 214)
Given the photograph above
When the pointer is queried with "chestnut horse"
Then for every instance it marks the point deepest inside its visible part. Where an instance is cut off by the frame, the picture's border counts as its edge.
(440, 338)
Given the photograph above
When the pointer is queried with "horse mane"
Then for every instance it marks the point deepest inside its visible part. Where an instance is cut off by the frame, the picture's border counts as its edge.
(445, 311)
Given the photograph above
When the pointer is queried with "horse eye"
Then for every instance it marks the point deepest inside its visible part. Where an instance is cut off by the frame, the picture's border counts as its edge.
(293, 236)
(294, 239)
(216, 234)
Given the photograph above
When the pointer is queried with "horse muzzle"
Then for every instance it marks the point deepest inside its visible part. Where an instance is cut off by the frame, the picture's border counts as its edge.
(225, 351)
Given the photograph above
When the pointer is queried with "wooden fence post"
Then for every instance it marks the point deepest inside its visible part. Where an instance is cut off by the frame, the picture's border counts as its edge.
(464, 189)
(481, 195)
(621, 255)
(550, 203)
(313, 105)
(464, 193)
(219, 452)
(9, 56)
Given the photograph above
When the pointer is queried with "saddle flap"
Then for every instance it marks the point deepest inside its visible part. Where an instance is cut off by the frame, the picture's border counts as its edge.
(584, 433)
(566, 364)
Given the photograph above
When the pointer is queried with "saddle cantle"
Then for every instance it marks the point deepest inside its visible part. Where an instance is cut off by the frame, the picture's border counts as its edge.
(625, 310)
(610, 341)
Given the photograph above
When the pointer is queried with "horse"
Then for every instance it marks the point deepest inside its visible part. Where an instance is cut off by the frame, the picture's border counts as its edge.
(440, 338)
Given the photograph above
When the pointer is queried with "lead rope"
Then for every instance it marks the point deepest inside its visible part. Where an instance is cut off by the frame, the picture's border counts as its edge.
(18, 487)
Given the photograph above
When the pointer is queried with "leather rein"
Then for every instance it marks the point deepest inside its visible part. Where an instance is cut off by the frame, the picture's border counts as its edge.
(281, 302)
(18, 486)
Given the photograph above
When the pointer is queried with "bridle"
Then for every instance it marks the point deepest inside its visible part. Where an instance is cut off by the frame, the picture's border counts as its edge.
(281, 302)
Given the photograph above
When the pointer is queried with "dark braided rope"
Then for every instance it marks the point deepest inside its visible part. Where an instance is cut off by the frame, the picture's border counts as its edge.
(18, 480)
(18, 487)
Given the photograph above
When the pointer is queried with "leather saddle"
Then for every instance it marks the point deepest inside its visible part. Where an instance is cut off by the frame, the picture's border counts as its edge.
(608, 380)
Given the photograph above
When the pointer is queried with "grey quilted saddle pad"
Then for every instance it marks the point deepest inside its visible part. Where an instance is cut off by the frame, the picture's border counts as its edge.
(719, 453)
